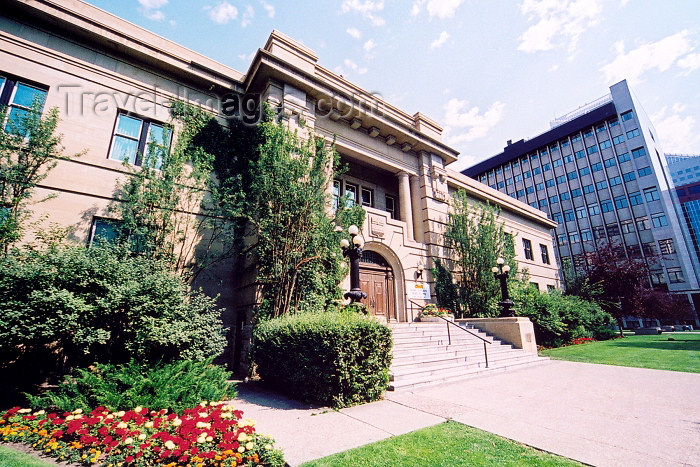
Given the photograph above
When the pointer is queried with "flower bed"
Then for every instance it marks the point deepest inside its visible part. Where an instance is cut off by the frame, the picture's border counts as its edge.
(208, 435)
(433, 310)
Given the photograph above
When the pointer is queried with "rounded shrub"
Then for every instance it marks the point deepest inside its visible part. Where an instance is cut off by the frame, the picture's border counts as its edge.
(337, 359)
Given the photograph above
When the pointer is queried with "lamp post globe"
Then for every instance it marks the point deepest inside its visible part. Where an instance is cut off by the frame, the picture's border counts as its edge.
(501, 272)
(353, 251)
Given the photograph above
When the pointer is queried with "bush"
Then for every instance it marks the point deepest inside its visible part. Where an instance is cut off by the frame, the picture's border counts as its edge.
(337, 359)
(558, 318)
(604, 333)
(173, 386)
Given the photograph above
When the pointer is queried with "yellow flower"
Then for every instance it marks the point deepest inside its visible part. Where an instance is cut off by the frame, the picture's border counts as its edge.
(128, 440)
(142, 436)
(77, 411)
(170, 445)
(250, 445)
(120, 414)
(148, 424)
(268, 447)
(241, 449)
(243, 437)
(138, 409)
(209, 439)
(177, 422)
(41, 412)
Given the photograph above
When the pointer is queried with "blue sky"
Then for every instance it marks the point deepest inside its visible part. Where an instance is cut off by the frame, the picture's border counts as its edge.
(486, 70)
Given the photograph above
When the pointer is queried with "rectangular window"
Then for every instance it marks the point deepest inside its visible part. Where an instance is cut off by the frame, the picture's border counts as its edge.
(542, 203)
(632, 133)
(612, 229)
(21, 98)
(336, 194)
(539, 186)
(572, 175)
(610, 162)
(639, 152)
(613, 123)
(552, 147)
(527, 249)
(556, 217)
(554, 199)
(576, 192)
(614, 181)
(659, 220)
(569, 215)
(657, 277)
(599, 232)
(606, 206)
(624, 157)
(564, 196)
(642, 223)
(626, 227)
(557, 162)
(536, 171)
(675, 275)
(562, 240)
(588, 189)
(596, 167)
(626, 115)
(644, 171)
(545, 253)
(601, 185)
(137, 140)
(588, 133)
(635, 198)
(580, 154)
(546, 167)
(530, 189)
(621, 202)
(568, 159)
(564, 143)
(666, 246)
(576, 137)
(605, 144)
(561, 179)
(584, 171)
(618, 139)
(586, 235)
(500, 185)
(591, 150)
(574, 238)
(649, 249)
(368, 197)
(520, 193)
(581, 213)
(350, 195)
(509, 181)
(635, 251)
(629, 176)
(518, 178)
(651, 194)
(104, 230)
(600, 128)
(534, 157)
(390, 206)
(549, 182)
(526, 174)
(593, 209)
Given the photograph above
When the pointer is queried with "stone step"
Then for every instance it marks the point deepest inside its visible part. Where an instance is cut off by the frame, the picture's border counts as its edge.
(419, 355)
(455, 363)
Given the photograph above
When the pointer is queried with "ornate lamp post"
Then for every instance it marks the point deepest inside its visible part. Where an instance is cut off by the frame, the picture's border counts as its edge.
(354, 253)
(500, 272)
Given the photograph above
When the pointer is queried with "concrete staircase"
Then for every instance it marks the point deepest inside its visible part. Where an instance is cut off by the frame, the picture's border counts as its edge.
(423, 357)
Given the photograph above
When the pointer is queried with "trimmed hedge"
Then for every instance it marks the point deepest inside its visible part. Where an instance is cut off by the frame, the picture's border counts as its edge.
(337, 359)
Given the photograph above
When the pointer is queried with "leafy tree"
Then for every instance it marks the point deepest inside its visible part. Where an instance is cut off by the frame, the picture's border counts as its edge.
(29, 149)
(446, 293)
(477, 238)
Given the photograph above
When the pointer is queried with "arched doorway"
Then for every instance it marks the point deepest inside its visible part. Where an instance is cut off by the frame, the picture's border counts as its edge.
(377, 281)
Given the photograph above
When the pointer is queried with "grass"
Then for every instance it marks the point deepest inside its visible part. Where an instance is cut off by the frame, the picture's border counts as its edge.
(654, 351)
(12, 458)
(448, 444)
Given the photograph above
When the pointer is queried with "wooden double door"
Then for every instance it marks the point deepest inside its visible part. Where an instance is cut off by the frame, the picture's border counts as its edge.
(378, 283)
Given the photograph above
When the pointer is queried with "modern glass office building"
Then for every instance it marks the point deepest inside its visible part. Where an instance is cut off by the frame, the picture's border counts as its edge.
(600, 173)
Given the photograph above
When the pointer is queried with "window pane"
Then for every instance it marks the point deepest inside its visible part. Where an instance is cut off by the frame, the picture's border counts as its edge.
(25, 95)
(159, 135)
(124, 149)
(129, 126)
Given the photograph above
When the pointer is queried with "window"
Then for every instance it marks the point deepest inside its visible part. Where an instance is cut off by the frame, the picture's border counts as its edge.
(507, 168)
(536, 171)
(588, 133)
(572, 175)
(599, 232)
(564, 196)
(632, 133)
(612, 230)
(518, 178)
(576, 137)
(618, 139)
(634, 251)
(554, 199)
(600, 128)
(549, 182)
(635, 198)
(569, 215)
(556, 217)
(642, 223)
(390, 206)
(580, 154)
(509, 181)
(649, 249)
(626, 115)
(576, 192)
(336, 194)
(104, 230)
(527, 248)
(659, 220)
(574, 238)
(546, 166)
(530, 189)
(562, 240)
(639, 152)
(621, 202)
(596, 167)
(500, 185)
(624, 157)
(520, 193)
(606, 206)
(552, 147)
(20, 99)
(593, 209)
(568, 159)
(581, 213)
(610, 162)
(539, 186)
(350, 195)
(368, 197)
(644, 171)
(136, 137)
(675, 275)
(561, 179)
(666, 246)
(543, 203)
(657, 277)
(565, 143)
(626, 226)
(586, 235)
(584, 171)
(499, 170)
(614, 181)
(601, 185)
(591, 149)
(651, 194)
(534, 157)
(557, 163)
(613, 123)
(605, 144)
(588, 189)
(629, 176)
(545, 253)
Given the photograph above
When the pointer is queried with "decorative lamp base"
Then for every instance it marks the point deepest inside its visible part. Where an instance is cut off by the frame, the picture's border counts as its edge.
(506, 311)
(355, 295)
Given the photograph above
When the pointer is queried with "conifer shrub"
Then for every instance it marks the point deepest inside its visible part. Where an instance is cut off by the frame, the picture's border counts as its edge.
(174, 386)
(337, 359)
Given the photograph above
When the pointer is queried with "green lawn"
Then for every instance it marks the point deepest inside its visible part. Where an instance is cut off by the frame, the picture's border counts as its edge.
(656, 351)
(11, 458)
(449, 444)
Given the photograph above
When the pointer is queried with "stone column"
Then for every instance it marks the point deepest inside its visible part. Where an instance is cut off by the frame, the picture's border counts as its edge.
(405, 209)
(416, 209)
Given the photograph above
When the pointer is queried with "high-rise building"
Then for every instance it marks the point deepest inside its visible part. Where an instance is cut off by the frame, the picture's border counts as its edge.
(599, 172)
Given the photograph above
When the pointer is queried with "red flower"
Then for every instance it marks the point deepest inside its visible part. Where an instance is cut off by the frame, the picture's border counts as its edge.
(129, 458)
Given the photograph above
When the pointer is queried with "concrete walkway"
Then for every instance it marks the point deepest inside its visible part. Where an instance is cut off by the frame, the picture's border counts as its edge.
(598, 414)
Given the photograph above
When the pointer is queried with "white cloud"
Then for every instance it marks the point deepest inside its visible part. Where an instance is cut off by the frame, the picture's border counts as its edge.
(659, 56)
(149, 9)
(553, 68)
(223, 13)
(677, 134)
(367, 8)
(354, 33)
(246, 57)
(155, 15)
(464, 124)
(268, 8)
(440, 40)
(443, 9)
(153, 4)
(354, 67)
(369, 45)
(247, 16)
(559, 23)
(690, 62)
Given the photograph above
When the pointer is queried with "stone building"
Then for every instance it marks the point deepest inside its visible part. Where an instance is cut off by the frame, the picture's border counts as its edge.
(112, 82)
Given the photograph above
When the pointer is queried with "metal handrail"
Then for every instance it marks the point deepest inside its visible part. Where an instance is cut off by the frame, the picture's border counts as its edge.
(449, 338)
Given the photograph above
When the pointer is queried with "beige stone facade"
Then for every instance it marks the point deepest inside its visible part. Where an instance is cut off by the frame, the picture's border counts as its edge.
(96, 67)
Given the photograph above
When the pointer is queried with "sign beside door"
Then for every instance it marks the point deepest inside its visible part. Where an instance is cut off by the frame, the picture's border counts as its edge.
(418, 291)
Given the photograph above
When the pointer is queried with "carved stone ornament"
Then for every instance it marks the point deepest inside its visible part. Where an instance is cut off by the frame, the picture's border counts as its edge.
(377, 225)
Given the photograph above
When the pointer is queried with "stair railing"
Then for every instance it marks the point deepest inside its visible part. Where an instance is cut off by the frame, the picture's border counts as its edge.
(449, 338)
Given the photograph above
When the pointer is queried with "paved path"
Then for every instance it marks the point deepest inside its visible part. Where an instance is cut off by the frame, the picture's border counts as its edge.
(598, 414)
